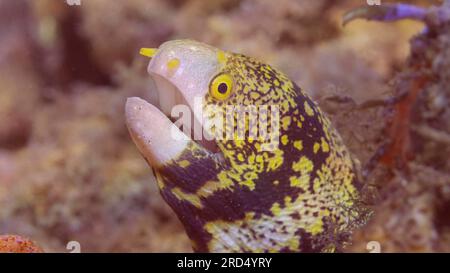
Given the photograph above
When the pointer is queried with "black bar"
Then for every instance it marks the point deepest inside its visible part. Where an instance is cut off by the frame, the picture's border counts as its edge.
(302, 263)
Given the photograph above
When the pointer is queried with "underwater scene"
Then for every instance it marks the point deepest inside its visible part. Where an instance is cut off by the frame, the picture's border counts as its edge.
(224, 126)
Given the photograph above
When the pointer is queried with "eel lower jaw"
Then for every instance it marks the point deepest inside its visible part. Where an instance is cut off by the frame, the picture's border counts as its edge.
(156, 137)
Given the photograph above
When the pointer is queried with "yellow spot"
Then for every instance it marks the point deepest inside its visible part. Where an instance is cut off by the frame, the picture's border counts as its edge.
(309, 111)
(325, 146)
(284, 139)
(224, 180)
(251, 159)
(189, 197)
(318, 183)
(240, 157)
(148, 52)
(294, 244)
(221, 57)
(276, 182)
(238, 141)
(285, 122)
(284, 106)
(160, 181)
(258, 146)
(250, 176)
(255, 95)
(316, 227)
(298, 144)
(235, 175)
(184, 163)
(325, 212)
(248, 183)
(173, 64)
(210, 187)
(275, 209)
(287, 200)
(275, 161)
(316, 147)
(300, 182)
(304, 165)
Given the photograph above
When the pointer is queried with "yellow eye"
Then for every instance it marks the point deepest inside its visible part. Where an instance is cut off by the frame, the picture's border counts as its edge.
(221, 86)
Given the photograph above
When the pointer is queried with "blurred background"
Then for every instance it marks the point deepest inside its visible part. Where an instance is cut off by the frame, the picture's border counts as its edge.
(68, 169)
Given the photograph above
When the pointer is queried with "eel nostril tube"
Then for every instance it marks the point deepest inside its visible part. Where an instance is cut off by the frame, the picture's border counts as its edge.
(148, 52)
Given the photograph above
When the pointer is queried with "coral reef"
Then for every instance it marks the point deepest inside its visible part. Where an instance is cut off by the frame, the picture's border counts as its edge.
(412, 209)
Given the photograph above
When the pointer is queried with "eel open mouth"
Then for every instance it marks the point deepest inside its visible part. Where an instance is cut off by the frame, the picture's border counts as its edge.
(180, 74)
